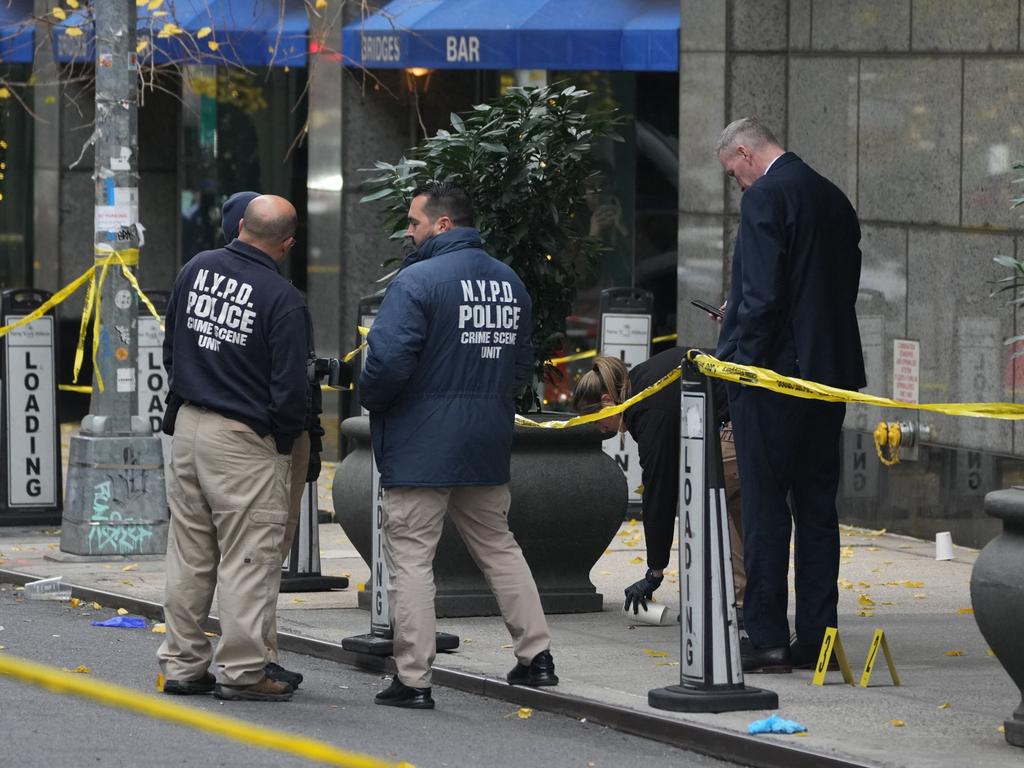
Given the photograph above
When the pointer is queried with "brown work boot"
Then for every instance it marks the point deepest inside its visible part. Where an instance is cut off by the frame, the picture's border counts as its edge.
(265, 690)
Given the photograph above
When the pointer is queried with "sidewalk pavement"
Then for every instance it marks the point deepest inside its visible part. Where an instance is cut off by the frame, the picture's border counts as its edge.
(948, 711)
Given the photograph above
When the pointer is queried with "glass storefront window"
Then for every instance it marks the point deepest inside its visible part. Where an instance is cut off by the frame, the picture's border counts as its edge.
(242, 130)
(16, 157)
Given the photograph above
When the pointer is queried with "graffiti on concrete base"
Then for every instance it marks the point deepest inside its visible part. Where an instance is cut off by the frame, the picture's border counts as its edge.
(110, 532)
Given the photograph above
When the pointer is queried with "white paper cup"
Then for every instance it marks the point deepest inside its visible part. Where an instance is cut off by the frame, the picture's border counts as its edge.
(655, 613)
(943, 546)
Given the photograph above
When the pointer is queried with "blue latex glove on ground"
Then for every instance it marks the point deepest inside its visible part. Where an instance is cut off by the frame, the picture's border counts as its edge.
(775, 724)
(128, 622)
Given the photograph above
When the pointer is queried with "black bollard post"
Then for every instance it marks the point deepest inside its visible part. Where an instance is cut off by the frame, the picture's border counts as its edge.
(300, 572)
(711, 674)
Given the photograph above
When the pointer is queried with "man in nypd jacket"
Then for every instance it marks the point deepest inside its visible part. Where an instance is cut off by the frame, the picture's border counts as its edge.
(448, 352)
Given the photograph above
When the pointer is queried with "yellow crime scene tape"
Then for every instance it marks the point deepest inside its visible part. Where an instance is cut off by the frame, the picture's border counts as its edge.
(105, 257)
(112, 695)
(809, 390)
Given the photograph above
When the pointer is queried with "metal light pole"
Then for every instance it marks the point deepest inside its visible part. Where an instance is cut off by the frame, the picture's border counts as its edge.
(115, 502)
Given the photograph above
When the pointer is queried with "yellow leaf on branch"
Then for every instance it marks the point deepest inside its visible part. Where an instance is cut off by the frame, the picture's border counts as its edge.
(154, 4)
(169, 30)
(213, 45)
(4, 93)
(204, 32)
(321, 4)
(73, 31)
(141, 46)
(72, 4)
(59, 13)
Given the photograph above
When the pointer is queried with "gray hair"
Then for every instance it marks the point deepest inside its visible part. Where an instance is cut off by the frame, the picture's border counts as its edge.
(746, 130)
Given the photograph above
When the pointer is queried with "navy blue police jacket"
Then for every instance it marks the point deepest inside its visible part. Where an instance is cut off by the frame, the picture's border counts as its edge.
(448, 352)
(236, 341)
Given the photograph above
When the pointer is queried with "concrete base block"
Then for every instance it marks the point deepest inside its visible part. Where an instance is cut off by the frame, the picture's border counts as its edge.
(116, 500)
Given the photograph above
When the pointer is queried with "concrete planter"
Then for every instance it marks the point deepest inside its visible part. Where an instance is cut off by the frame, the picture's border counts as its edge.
(997, 594)
(568, 499)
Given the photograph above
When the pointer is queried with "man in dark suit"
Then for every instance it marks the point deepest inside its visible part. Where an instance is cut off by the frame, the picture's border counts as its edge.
(791, 308)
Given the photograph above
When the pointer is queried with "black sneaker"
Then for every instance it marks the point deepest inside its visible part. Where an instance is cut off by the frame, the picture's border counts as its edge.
(398, 694)
(203, 684)
(540, 672)
(282, 675)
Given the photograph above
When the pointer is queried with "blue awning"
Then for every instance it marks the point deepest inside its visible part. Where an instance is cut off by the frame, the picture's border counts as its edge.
(17, 35)
(627, 35)
(250, 33)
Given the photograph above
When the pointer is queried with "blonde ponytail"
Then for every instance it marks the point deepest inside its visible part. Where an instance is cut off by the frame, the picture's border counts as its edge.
(608, 376)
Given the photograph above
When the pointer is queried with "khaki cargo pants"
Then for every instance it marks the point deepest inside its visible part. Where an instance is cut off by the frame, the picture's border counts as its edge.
(300, 465)
(413, 520)
(732, 504)
(228, 495)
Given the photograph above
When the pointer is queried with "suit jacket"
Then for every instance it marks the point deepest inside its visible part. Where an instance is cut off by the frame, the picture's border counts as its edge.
(795, 277)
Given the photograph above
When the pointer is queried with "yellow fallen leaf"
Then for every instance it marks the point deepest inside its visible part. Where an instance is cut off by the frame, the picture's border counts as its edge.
(122, 612)
(989, 652)
(866, 613)
(630, 543)
(73, 31)
(887, 602)
(945, 705)
(607, 573)
(800, 733)
(467, 640)
(636, 561)
(524, 713)
(870, 549)
(160, 629)
(59, 13)
(655, 654)
(955, 652)
(132, 567)
(965, 610)
(912, 584)
(127, 582)
(81, 669)
(507, 645)
(667, 664)
(2, 647)
(897, 723)
(865, 600)
(633, 521)
(95, 606)
(204, 32)
(1001, 729)
(213, 45)
(75, 602)
(920, 596)
(298, 600)
(361, 587)
(846, 584)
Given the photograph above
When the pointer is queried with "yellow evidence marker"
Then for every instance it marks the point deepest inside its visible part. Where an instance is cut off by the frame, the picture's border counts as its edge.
(832, 644)
(878, 640)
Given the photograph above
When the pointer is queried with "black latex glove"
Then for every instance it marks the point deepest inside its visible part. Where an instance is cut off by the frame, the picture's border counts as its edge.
(314, 467)
(639, 593)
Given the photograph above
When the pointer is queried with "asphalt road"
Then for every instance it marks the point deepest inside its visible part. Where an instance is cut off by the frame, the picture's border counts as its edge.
(335, 704)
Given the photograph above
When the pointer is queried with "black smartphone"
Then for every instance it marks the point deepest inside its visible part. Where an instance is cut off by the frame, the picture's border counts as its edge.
(709, 308)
